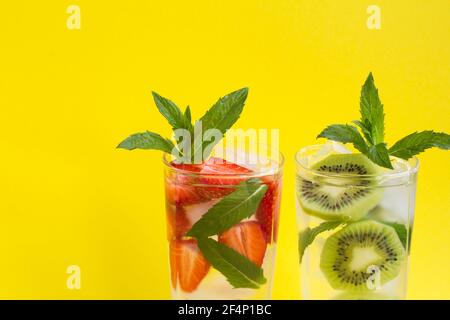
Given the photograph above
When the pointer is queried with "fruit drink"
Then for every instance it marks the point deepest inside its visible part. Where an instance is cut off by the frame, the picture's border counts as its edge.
(212, 191)
(355, 207)
(222, 214)
(355, 221)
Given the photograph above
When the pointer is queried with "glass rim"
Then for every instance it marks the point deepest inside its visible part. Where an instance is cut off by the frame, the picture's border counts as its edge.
(413, 168)
(252, 174)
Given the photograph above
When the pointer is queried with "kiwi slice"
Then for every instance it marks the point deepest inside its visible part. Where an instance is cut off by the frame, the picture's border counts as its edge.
(361, 255)
(345, 193)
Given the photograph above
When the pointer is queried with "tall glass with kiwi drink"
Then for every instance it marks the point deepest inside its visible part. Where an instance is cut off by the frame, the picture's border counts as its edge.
(362, 216)
(355, 206)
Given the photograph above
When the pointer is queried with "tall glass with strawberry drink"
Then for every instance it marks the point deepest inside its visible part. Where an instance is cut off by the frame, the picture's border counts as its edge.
(222, 211)
(222, 220)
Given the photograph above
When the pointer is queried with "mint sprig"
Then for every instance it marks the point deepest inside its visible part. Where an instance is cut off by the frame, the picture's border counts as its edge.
(372, 113)
(171, 112)
(239, 271)
(380, 155)
(418, 142)
(367, 134)
(345, 133)
(233, 208)
(221, 116)
(147, 140)
(230, 210)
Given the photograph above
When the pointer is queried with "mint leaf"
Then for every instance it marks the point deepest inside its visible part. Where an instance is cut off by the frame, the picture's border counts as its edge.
(372, 113)
(366, 132)
(346, 134)
(225, 112)
(239, 271)
(380, 155)
(222, 115)
(307, 236)
(147, 140)
(418, 142)
(238, 205)
(171, 112)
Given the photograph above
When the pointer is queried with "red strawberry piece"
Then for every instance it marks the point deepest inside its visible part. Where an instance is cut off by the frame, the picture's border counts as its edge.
(268, 210)
(218, 176)
(186, 172)
(188, 266)
(223, 168)
(181, 187)
(248, 239)
(182, 194)
(178, 224)
(187, 166)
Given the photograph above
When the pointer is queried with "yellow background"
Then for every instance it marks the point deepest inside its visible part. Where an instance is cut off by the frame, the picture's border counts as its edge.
(67, 97)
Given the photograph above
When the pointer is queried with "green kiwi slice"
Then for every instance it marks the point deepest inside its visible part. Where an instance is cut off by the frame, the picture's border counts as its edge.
(345, 190)
(361, 256)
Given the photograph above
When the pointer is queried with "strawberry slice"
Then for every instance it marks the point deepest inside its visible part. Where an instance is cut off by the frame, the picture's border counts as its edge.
(188, 266)
(187, 166)
(219, 172)
(215, 176)
(178, 224)
(268, 210)
(222, 168)
(181, 188)
(182, 194)
(248, 239)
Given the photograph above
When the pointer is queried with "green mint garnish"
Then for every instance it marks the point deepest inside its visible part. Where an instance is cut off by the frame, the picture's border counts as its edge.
(171, 112)
(238, 205)
(345, 133)
(239, 271)
(307, 236)
(230, 210)
(372, 113)
(371, 142)
(379, 154)
(418, 142)
(147, 140)
(221, 117)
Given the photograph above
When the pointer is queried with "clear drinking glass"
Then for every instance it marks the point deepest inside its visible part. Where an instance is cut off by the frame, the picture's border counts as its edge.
(362, 253)
(192, 190)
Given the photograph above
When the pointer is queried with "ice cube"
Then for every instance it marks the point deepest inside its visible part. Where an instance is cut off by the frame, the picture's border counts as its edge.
(400, 165)
(263, 160)
(196, 211)
(329, 148)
